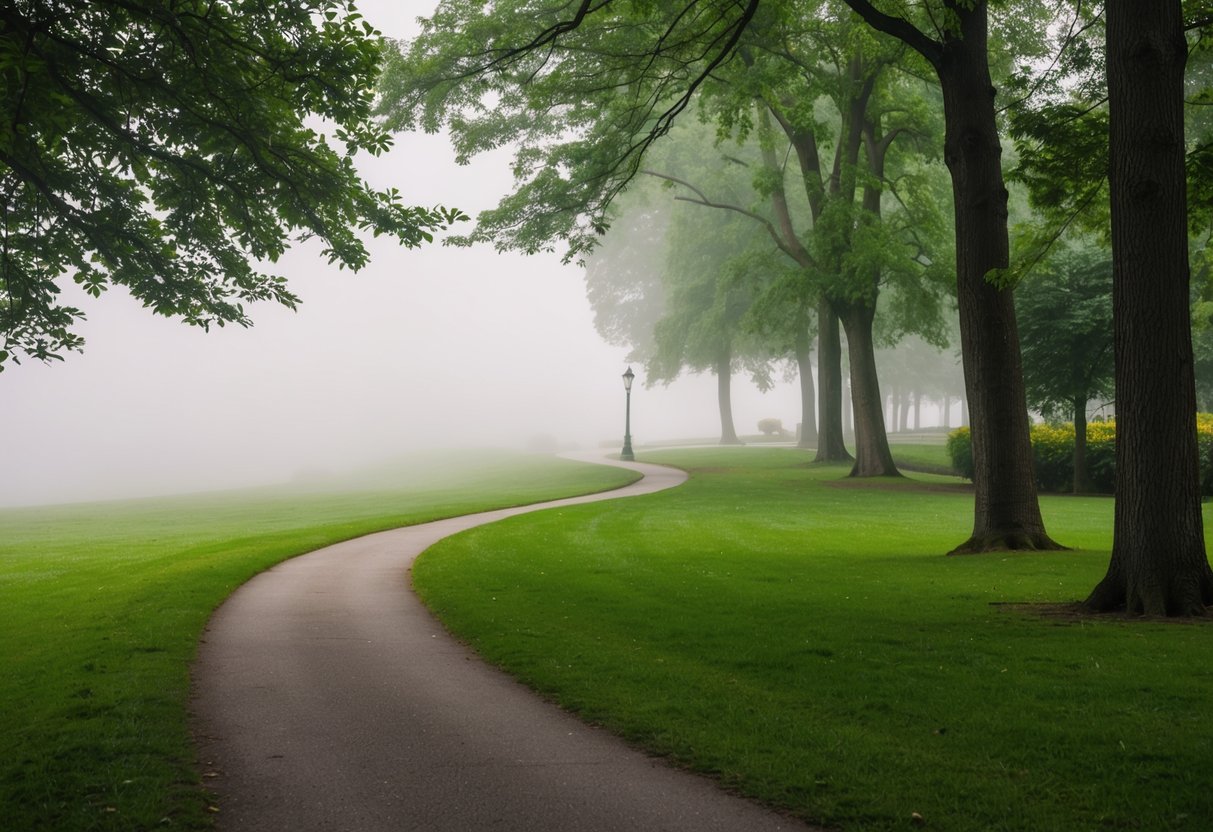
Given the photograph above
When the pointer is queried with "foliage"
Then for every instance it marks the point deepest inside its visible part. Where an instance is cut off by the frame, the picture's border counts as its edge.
(716, 263)
(581, 90)
(1053, 454)
(170, 149)
(798, 637)
(104, 604)
(623, 275)
(1058, 120)
(1065, 328)
(960, 451)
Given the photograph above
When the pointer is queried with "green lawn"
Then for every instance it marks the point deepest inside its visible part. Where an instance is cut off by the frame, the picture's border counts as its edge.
(805, 641)
(102, 606)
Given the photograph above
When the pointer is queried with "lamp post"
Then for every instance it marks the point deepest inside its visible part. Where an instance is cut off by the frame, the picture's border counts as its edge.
(627, 419)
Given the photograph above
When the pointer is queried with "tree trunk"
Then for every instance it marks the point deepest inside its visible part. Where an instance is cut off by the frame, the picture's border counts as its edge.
(1082, 474)
(947, 411)
(830, 446)
(1006, 510)
(808, 395)
(903, 418)
(872, 455)
(918, 410)
(724, 379)
(1158, 565)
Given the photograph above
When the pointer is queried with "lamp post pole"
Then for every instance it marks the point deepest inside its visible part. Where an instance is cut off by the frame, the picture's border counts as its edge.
(627, 419)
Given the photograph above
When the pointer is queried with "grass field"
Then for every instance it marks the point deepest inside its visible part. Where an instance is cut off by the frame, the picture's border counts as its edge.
(102, 605)
(804, 640)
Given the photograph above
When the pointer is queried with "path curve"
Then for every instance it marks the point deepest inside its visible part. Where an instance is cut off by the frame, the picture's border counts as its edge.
(326, 697)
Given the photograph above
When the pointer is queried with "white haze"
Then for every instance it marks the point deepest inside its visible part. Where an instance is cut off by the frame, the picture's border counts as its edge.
(432, 348)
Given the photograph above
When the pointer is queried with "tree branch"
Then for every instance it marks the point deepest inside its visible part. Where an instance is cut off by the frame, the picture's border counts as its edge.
(900, 28)
(794, 250)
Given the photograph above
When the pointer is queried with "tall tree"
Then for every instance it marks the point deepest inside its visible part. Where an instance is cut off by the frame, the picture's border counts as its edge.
(1159, 565)
(1130, 136)
(1006, 509)
(165, 147)
(861, 106)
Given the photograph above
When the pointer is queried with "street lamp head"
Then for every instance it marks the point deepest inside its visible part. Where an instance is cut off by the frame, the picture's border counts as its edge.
(627, 379)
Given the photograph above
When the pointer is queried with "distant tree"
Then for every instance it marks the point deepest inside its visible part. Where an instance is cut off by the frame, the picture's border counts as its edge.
(1065, 320)
(623, 275)
(166, 147)
(712, 274)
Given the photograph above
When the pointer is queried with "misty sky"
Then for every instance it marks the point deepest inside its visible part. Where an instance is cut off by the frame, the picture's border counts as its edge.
(437, 347)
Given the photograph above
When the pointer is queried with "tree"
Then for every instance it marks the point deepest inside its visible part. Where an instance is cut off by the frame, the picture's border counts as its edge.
(166, 147)
(713, 269)
(1158, 565)
(1066, 323)
(1116, 122)
(1006, 508)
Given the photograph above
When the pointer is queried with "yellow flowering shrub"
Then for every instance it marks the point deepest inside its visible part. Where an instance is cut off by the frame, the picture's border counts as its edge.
(1053, 454)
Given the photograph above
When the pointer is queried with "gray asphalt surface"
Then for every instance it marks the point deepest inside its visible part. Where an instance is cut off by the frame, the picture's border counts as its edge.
(326, 697)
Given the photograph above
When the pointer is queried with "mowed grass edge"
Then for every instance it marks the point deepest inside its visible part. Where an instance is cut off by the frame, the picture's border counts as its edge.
(102, 606)
(802, 638)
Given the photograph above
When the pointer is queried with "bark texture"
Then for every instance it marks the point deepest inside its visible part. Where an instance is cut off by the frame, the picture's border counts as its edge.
(872, 455)
(830, 445)
(1159, 565)
(1006, 510)
(1082, 473)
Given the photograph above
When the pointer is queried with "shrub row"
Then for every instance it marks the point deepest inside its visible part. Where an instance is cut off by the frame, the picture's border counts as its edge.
(1053, 454)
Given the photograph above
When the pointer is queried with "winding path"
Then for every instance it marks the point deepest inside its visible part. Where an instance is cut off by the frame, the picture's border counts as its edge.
(326, 697)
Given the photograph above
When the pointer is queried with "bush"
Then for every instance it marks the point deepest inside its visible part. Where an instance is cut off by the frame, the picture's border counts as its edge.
(961, 452)
(1053, 454)
(770, 427)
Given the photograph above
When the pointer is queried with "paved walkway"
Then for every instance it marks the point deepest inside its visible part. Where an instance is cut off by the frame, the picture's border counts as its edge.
(327, 698)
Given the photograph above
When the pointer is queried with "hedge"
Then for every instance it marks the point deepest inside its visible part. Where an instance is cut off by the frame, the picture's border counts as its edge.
(1053, 454)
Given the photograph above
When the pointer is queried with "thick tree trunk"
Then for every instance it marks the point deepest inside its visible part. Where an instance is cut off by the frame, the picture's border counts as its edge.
(830, 446)
(872, 455)
(1159, 565)
(1006, 510)
(724, 396)
(808, 394)
(1082, 473)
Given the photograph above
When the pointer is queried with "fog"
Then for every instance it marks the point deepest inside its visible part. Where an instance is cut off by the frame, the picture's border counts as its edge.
(431, 348)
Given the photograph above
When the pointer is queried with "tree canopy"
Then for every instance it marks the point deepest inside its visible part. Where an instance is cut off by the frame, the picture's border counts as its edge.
(174, 149)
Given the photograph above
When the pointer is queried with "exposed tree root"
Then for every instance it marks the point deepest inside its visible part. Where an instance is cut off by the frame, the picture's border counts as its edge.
(1186, 595)
(875, 470)
(1016, 541)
